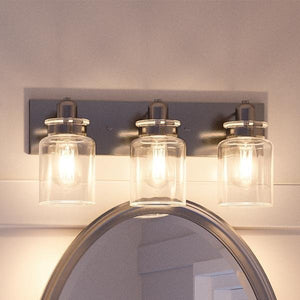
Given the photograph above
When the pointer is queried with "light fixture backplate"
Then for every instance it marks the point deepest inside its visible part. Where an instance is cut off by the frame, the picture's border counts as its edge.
(112, 123)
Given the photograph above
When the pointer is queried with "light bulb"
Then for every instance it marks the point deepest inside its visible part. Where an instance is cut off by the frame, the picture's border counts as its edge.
(66, 155)
(158, 170)
(157, 160)
(242, 165)
(67, 159)
(245, 161)
(246, 168)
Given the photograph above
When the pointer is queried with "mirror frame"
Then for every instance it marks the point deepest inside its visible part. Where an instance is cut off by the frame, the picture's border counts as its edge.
(193, 212)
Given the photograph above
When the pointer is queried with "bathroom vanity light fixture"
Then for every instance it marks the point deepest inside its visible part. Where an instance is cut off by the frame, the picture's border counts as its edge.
(157, 160)
(157, 154)
(245, 161)
(66, 158)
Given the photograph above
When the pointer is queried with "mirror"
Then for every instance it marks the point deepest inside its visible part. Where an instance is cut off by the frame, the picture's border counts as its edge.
(161, 258)
(158, 253)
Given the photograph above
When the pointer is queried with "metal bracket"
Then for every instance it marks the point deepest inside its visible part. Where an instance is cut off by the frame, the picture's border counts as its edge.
(112, 123)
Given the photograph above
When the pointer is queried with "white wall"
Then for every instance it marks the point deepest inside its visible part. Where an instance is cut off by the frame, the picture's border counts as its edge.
(28, 257)
(145, 49)
(278, 253)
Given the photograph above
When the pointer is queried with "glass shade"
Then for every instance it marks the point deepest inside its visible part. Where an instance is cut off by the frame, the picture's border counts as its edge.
(245, 171)
(67, 169)
(158, 170)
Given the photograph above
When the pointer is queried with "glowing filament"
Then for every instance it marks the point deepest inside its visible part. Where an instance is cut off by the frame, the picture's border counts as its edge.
(158, 174)
(246, 166)
(66, 165)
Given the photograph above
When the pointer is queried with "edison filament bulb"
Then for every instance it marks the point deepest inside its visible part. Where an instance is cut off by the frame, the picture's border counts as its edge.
(245, 161)
(67, 174)
(157, 161)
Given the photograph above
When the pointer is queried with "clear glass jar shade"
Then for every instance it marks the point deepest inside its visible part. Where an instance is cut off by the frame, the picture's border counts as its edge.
(67, 174)
(158, 171)
(245, 171)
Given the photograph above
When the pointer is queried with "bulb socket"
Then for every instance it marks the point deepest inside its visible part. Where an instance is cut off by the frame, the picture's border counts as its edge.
(67, 121)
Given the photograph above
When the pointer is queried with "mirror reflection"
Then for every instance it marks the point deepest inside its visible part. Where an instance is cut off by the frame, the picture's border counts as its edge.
(165, 258)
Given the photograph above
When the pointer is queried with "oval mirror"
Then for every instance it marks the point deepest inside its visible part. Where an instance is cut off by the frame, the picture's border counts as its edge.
(158, 253)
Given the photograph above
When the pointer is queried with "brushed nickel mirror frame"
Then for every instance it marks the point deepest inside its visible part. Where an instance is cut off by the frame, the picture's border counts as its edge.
(192, 212)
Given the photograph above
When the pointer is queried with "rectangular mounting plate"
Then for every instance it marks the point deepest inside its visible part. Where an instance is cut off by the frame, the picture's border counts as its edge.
(112, 123)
